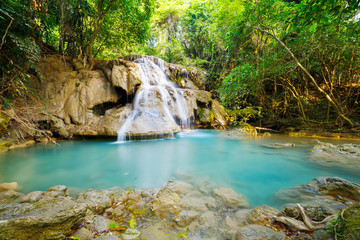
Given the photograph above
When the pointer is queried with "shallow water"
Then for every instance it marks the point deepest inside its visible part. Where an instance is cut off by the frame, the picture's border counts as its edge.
(244, 165)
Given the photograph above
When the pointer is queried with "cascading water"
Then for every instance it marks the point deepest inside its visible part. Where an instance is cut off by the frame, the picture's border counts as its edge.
(159, 108)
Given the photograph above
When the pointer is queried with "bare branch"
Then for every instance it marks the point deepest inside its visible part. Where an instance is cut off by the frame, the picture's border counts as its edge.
(7, 29)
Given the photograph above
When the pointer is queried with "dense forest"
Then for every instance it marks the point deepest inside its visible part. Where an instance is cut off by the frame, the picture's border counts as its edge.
(270, 61)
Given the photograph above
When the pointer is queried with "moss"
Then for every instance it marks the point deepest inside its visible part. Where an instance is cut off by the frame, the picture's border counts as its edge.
(351, 228)
(4, 123)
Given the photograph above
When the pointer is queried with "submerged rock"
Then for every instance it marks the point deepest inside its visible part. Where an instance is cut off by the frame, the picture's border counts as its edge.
(280, 145)
(342, 155)
(230, 198)
(9, 186)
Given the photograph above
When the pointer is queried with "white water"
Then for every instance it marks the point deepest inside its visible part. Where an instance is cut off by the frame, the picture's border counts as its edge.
(157, 99)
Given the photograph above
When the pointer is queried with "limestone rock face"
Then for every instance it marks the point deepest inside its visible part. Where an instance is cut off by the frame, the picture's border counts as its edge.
(97, 102)
(126, 75)
(48, 218)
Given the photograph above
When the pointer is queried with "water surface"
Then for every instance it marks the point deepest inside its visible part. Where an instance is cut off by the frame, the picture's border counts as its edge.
(244, 165)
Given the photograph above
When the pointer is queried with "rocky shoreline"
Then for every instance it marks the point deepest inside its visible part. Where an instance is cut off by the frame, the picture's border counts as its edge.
(179, 210)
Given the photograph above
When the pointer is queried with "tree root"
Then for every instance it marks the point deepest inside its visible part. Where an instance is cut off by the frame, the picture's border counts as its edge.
(307, 224)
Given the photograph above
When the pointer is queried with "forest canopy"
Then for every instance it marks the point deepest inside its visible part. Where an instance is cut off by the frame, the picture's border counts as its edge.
(265, 59)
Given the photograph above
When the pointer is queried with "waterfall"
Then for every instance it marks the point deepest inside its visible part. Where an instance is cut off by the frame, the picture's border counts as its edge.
(159, 107)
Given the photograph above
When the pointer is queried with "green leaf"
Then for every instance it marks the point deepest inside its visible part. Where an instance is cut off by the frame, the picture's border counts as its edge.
(132, 223)
(112, 225)
(313, 27)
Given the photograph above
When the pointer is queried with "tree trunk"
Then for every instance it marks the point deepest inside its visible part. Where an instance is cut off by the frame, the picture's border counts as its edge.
(328, 97)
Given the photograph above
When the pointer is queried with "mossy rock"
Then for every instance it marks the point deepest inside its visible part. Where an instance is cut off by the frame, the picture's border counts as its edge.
(249, 129)
(352, 222)
(206, 115)
(4, 145)
(4, 123)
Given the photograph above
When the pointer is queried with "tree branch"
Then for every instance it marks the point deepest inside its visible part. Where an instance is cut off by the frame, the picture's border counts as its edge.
(328, 97)
(7, 29)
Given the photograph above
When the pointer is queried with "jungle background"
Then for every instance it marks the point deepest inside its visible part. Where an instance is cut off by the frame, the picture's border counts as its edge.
(271, 62)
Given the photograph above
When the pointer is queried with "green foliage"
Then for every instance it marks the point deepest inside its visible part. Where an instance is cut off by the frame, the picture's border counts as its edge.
(238, 86)
(112, 225)
(336, 226)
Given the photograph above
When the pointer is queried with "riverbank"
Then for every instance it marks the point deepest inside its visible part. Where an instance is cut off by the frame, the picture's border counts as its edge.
(179, 210)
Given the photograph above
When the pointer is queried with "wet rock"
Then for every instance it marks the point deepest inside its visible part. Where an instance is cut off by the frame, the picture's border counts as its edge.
(194, 203)
(241, 216)
(230, 198)
(32, 197)
(280, 145)
(166, 202)
(100, 224)
(237, 133)
(262, 215)
(185, 218)
(118, 211)
(4, 145)
(49, 218)
(301, 236)
(25, 144)
(180, 187)
(57, 191)
(230, 224)
(219, 113)
(130, 234)
(207, 219)
(256, 232)
(108, 237)
(10, 197)
(9, 186)
(96, 201)
(333, 186)
(83, 234)
(342, 155)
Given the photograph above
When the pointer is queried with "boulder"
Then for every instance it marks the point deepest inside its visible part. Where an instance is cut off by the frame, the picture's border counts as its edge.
(207, 219)
(83, 234)
(180, 187)
(166, 202)
(194, 203)
(32, 197)
(185, 218)
(230, 198)
(96, 201)
(342, 155)
(321, 191)
(49, 218)
(9, 186)
(262, 215)
(10, 196)
(57, 191)
(333, 186)
(100, 224)
(256, 232)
